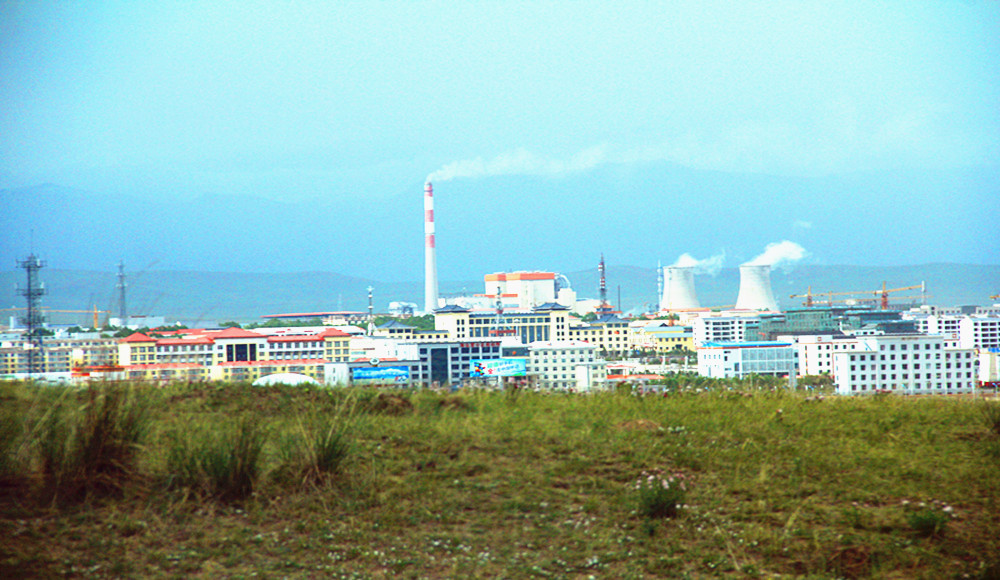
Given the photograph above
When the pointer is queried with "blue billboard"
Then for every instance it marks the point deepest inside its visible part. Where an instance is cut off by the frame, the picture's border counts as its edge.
(380, 375)
(498, 367)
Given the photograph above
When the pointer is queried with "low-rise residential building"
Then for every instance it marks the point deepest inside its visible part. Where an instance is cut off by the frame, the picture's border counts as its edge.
(608, 333)
(231, 354)
(59, 354)
(907, 364)
(565, 365)
(718, 328)
(662, 337)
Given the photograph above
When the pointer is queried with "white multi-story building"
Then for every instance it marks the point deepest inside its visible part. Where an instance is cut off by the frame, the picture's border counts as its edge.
(989, 366)
(721, 328)
(724, 360)
(565, 365)
(962, 330)
(815, 351)
(979, 331)
(904, 363)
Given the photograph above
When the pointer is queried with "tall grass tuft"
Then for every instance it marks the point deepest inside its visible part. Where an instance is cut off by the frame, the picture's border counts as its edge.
(990, 412)
(224, 464)
(314, 451)
(13, 470)
(92, 449)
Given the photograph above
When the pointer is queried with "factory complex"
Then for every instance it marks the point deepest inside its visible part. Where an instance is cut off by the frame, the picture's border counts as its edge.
(530, 329)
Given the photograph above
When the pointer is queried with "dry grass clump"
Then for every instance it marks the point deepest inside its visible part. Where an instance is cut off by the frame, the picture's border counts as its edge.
(220, 461)
(90, 448)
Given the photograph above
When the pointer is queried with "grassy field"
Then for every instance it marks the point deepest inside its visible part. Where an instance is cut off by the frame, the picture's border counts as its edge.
(234, 481)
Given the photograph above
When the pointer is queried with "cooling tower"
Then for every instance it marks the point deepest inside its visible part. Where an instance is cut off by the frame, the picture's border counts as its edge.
(755, 289)
(678, 291)
(430, 259)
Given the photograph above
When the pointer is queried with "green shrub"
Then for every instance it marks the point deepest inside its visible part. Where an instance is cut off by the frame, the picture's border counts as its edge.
(659, 495)
(928, 520)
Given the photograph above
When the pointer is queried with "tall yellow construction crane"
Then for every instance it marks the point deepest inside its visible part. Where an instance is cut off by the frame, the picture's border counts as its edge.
(881, 295)
(94, 311)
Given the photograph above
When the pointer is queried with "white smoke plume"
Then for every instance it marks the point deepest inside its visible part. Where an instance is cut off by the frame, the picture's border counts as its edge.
(709, 266)
(520, 162)
(779, 253)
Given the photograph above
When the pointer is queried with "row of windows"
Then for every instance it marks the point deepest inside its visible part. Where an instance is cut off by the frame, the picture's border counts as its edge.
(937, 356)
(927, 346)
(906, 376)
(928, 386)
(916, 366)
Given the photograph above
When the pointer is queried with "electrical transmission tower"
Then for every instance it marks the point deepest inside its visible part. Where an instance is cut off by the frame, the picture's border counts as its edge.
(33, 319)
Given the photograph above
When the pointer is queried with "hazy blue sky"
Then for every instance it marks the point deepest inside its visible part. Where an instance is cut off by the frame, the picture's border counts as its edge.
(360, 101)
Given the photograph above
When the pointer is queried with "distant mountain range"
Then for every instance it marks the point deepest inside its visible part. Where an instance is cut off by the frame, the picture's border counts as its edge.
(635, 214)
(206, 298)
(183, 250)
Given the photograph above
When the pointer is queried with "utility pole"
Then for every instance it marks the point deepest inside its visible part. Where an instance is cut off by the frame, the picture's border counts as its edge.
(33, 319)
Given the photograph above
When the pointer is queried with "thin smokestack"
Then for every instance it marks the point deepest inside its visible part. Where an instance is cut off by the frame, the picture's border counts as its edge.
(430, 259)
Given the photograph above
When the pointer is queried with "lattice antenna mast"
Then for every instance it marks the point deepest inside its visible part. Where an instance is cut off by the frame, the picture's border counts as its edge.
(498, 318)
(659, 286)
(603, 285)
(34, 320)
(122, 311)
(499, 329)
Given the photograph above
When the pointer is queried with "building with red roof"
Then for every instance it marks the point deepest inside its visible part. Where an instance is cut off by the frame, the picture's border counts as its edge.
(230, 354)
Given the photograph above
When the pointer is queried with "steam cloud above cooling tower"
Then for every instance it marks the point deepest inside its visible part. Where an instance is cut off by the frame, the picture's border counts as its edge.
(779, 253)
(709, 266)
(678, 289)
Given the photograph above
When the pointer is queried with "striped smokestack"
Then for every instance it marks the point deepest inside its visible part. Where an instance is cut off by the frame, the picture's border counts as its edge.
(430, 259)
